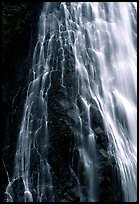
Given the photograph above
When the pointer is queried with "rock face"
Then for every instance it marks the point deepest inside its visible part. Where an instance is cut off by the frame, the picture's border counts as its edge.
(15, 77)
(109, 182)
(60, 102)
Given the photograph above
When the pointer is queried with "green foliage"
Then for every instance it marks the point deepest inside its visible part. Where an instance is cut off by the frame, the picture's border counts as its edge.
(15, 17)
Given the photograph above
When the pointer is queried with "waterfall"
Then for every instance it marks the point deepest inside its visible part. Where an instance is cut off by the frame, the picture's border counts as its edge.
(83, 77)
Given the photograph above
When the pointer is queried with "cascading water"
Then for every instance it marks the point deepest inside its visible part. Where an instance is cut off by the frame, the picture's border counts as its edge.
(94, 43)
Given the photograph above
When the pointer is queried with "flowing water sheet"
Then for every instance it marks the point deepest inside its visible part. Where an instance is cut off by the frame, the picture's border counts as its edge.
(88, 51)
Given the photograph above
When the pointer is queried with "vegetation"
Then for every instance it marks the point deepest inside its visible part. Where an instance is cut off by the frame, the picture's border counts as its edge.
(15, 18)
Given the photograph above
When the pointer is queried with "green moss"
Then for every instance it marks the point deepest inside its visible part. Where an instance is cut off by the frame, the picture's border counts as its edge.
(15, 17)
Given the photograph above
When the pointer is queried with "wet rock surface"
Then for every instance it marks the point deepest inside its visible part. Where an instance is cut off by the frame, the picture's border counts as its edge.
(61, 142)
(15, 77)
(109, 182)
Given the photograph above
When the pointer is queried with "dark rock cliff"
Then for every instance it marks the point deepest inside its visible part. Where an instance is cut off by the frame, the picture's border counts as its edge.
(19, 32)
